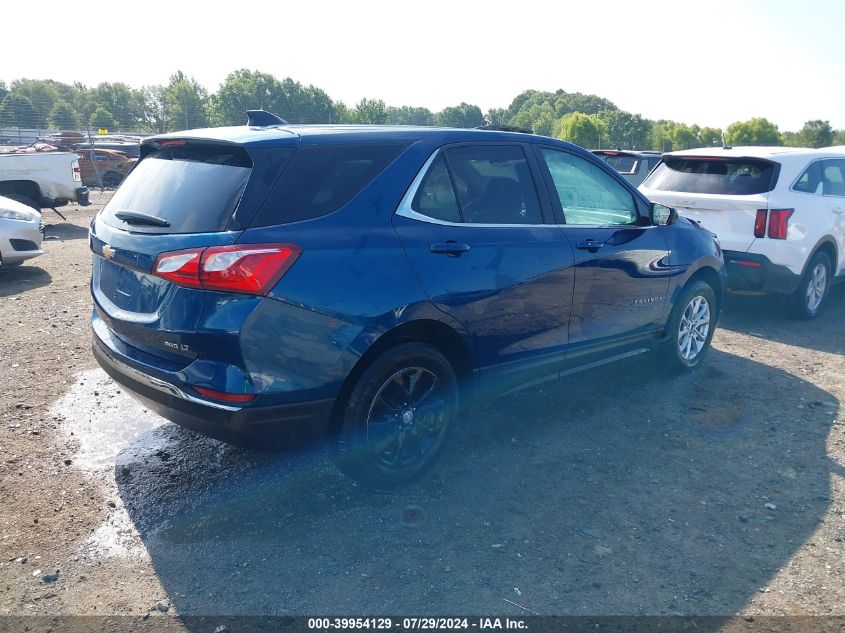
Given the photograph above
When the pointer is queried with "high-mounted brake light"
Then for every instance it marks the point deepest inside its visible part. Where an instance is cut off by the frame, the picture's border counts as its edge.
(779, 223)
(243, 268)
(760, 223)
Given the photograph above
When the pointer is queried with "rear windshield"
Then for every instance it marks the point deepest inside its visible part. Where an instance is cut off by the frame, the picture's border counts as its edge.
(194, 188)
(740, 176)
(322, 178)
(622, 164)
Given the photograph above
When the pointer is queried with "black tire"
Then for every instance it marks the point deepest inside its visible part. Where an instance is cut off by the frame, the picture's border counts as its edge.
(112, 179)
(23, 200)
(804, 304)
(389, 434)
(675, 355)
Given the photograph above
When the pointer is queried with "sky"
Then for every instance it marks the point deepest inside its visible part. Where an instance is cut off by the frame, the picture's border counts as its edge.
(708, 62)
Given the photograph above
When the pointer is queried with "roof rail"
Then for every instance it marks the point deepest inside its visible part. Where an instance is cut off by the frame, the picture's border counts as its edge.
(505, 128)
(261, 118)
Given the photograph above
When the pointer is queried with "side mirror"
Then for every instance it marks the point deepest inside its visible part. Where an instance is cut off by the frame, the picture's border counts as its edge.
(662, 215)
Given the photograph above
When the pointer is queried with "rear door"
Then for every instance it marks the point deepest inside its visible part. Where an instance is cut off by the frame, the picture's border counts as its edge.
(722, 194)
(488, 254)
(181, 195)
(621, 263)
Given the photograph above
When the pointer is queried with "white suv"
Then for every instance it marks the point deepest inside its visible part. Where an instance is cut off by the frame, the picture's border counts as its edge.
(777, 211)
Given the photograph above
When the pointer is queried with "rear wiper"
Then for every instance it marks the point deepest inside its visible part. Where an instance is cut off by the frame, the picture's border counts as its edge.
(136, 217)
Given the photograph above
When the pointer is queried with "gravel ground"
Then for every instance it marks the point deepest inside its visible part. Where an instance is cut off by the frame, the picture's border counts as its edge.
(617, 491)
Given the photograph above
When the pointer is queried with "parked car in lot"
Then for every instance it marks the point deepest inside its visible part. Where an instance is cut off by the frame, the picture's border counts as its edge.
(779, 213)
(633, 165)
(20, 232)
(104, 165)
(386, 278)
(42, 179)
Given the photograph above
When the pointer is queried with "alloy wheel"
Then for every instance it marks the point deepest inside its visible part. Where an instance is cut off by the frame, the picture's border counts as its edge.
(817, 287)
(407, 419)
(694, 328)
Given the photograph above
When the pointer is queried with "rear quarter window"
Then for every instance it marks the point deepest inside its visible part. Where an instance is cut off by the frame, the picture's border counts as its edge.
(728, 176)
(322, 178)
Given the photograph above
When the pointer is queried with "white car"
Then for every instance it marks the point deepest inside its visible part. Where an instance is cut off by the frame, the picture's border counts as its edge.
(777, 211)
(20, 232)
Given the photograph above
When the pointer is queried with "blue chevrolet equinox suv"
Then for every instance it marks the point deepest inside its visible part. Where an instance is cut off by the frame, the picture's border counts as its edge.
(366, 284)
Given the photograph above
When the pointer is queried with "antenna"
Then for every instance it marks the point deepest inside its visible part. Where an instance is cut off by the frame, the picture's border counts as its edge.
(261, 118)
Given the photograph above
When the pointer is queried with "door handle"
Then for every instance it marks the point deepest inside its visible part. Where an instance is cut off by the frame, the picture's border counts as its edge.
(837, 210)
(589, 245)
(450, 248)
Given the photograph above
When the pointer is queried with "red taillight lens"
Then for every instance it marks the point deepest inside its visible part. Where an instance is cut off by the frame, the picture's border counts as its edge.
(760, 223)
(180, 267)
(779, 223)
(240, 398)
(248, 268)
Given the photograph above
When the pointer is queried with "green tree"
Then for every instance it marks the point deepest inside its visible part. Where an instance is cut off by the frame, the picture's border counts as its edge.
(185, 102)
(371, 111)
(625, 130)
(408, 115)
(153, 112)
(245, 90)
(17, 111)
(63, 116)
(464, 115)
(42, 95)
(710, 137)
(102, 119)
(792, 139)
(839, 137)
(816, 133)
(585, 130)
(496, 116)
(124, 102)
(757, 131)
(3, 90)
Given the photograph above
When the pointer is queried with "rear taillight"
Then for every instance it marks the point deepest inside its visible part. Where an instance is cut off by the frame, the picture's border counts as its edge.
(779, 223)
(77, 174)
(240, 398)
(244, 268)
(760, 223)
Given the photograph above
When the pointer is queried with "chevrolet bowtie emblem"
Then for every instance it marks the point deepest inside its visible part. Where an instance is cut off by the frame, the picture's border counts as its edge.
(108, 251)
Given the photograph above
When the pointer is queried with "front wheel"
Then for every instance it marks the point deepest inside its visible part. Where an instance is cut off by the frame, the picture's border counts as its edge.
(397, 416)
(690, 328)
(812, 292)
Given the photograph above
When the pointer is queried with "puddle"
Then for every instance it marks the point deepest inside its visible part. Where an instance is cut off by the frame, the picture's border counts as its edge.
(111, 429)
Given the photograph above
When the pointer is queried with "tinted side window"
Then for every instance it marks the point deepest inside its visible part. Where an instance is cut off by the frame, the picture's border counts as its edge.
(322, 178)
(810, 179)
(436, 196)
(833, 174)
(588, 195)
(494, 185)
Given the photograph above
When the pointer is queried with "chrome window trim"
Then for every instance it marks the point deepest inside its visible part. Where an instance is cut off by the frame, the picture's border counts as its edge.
(405, 208)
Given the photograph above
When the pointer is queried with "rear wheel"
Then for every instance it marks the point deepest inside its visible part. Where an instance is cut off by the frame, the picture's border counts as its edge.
(809, 298)
(397, 416)
(112, 179)
(690, 328)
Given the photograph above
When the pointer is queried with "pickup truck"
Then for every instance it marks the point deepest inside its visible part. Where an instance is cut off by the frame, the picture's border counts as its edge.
(42, 179)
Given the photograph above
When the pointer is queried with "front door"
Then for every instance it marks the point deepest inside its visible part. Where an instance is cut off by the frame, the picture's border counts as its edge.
(621, 260)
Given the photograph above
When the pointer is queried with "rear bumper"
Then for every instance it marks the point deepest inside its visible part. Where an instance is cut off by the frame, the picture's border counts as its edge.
(753, 272)
(292, 424)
